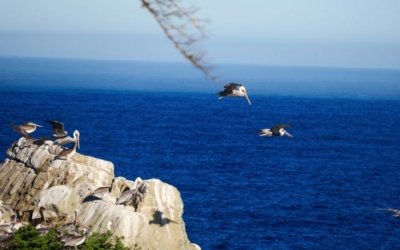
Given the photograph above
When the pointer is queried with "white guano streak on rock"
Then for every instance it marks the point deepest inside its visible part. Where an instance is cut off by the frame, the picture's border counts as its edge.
(124, 222)
(5, 163)
(37, 158)
(170, 198)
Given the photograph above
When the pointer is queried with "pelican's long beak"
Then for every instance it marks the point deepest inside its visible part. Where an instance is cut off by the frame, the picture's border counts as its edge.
(34, 124)
(77, 141)
(247, 98)
(286, 133)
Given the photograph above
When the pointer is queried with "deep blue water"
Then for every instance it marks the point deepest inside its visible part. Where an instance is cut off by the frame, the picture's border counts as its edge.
(317, 190)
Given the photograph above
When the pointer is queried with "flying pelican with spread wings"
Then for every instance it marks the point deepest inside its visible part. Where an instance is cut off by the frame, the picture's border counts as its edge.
(29, 139)
(234, 90)
(60, 134)
(29, 127)
(275, 131)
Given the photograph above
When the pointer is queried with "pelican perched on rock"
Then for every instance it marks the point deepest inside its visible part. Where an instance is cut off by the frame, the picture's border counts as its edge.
(29, 127)
(5, 206)
(7, 227)
(125, 197)
(60, 134)
(135, 196)
(69, 227)
(74, 241)
(39, 221)
(6, 237)
(69, 152)
(43, 230)
(102, 191)
(275, 131)
(17, 221)
(234, 90)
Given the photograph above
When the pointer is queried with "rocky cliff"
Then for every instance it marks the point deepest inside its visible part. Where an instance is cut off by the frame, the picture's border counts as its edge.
(31, 178)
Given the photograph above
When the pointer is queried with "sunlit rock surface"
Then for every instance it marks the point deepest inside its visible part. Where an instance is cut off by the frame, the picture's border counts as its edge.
(31, 177)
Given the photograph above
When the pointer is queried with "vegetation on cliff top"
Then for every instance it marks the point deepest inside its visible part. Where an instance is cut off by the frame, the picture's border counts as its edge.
(28, 238)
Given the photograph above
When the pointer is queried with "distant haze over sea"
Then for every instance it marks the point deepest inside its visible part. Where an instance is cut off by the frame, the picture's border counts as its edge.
(23, 74)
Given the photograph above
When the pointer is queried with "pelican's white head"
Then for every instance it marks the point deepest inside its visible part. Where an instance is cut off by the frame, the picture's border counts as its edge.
(243, 90)
(76, 136)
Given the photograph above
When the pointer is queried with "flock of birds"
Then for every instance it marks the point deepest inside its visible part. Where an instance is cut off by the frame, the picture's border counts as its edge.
(68, 234)
(238, 90)
(59, 135)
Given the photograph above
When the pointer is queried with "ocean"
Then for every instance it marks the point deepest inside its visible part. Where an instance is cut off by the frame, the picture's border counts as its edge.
(321, 189)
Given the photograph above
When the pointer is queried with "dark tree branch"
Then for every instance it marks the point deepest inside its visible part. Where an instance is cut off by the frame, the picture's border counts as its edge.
(182, 29)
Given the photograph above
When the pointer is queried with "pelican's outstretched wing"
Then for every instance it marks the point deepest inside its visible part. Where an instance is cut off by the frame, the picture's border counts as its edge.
(58, 128)
(232, 86)
(275, 129)
(21, 131)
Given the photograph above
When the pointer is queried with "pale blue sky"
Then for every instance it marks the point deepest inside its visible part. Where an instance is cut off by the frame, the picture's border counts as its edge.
(356, 33)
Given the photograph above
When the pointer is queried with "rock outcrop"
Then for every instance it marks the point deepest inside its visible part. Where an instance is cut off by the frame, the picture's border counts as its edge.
(32, 178)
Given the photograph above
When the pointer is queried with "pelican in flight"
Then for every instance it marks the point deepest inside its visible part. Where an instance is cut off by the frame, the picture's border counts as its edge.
(69, 152)
(275, 131)
(234, 90)
(29, 127)
(60, 134)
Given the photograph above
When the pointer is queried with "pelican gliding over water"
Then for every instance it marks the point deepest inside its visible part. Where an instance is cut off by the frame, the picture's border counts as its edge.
(275, 131)
(234, 90)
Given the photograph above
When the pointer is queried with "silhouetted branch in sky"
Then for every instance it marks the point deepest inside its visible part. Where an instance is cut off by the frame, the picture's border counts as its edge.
(182, 28)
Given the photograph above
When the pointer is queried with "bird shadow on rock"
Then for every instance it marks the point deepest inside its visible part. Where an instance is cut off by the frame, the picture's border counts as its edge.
(160, 220)
(91, 198)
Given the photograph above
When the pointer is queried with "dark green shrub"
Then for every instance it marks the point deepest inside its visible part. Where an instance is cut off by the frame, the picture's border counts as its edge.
(27, 238)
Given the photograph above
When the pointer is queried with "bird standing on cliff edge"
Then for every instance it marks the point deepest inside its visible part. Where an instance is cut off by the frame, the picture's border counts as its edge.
(74, 241)
(69, 152)
(102, 191)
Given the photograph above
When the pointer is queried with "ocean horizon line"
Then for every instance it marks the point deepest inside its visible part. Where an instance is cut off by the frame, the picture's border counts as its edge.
(189, 64)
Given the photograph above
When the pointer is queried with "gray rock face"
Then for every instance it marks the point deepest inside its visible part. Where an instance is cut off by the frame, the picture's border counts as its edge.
(32, 179)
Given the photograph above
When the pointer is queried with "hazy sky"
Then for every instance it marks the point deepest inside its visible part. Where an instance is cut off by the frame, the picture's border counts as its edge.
(356, 33)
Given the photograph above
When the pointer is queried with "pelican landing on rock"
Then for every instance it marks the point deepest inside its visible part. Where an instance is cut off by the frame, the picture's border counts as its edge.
(29, 139)
(60, 134)
(29, 127)
(234, 90)
(275, 131)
